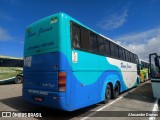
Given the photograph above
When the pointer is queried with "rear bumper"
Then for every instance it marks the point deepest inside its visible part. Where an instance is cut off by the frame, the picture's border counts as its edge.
(50, 99)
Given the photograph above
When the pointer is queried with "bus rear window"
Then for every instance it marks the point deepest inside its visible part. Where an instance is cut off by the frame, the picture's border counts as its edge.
(76, 36)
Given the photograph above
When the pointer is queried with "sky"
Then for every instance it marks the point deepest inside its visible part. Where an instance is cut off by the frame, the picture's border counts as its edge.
(134, 24)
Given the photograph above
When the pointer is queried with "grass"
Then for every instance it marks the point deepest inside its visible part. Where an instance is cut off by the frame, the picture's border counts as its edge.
(8, 72)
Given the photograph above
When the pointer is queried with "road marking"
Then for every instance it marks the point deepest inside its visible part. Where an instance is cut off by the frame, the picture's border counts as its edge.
(102, 108)
(113, 101)
(155, 110)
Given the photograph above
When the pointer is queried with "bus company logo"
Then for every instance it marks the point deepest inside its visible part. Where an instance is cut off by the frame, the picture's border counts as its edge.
(125, 66)
(53, 20)
(44, 29)
(40, 31)
(28, 30)
(30, 33)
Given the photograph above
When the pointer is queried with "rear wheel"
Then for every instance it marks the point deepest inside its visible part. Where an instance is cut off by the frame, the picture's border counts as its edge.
(116, 91)
(107, 94)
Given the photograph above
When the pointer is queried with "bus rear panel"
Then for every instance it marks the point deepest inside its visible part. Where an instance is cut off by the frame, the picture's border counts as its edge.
(45, 70)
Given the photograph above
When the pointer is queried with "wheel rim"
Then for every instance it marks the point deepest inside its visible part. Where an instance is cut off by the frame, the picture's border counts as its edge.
(18, 79)
(108, 93)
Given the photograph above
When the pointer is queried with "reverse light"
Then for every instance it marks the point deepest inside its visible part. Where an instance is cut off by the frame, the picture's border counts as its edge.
(62, 81)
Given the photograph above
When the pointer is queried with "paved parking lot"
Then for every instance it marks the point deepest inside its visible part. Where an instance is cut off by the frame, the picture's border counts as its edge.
(136, 99)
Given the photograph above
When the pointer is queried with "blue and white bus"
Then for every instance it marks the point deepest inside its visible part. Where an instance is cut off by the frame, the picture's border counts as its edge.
(69, 66)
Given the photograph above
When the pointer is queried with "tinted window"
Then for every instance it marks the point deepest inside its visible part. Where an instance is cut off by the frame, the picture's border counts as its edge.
(76, 36)
(101, 48)
(124, 54)
(112, 49)
(85, 39)
(136, 59)
(106, 46)
(120, 53)
(127, 55)
(131, 57)
(116, 51)
(93, 42)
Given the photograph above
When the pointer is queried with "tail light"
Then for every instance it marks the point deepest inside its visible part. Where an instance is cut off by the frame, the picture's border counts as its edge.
(62, 81)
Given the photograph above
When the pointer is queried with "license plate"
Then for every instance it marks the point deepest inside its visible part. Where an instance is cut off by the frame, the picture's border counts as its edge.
(39, 99)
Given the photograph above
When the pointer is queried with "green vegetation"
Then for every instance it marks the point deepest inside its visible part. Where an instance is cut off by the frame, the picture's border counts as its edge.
(8, 72)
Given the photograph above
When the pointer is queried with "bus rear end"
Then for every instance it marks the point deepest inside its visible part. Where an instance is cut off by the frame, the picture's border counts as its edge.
(44, 68)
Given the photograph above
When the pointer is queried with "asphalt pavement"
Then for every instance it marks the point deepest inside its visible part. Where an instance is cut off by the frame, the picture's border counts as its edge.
(136, 101)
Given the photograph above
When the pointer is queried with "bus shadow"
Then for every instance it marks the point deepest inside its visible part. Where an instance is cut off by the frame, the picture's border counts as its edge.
(8, 83)
(142, 93)
(17, 104)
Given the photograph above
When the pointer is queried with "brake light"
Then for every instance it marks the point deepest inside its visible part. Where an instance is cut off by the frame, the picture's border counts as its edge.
(62, 81)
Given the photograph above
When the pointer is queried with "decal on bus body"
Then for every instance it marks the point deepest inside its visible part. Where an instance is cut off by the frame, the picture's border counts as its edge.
(27, 61)
(74, 57)
(127, 69)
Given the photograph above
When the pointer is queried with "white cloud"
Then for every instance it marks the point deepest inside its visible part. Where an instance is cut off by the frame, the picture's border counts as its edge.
(113, 21)
(139, 36)
(142, 43)
(4, 35)
(4, 17)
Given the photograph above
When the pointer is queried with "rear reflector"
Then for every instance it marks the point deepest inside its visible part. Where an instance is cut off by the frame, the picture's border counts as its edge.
(62, 81)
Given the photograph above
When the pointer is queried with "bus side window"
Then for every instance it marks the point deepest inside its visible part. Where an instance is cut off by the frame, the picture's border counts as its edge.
(76, 36)
(112, 49)
(93, 42)
(136, 59)
(131, 56)
(116, 51)
(120, 53)
(85, 39)
(124, 54)
(107, 49)
(101, 49)
(127, 56)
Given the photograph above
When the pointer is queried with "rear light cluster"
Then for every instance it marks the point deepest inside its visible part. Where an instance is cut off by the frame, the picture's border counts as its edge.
(62, 81)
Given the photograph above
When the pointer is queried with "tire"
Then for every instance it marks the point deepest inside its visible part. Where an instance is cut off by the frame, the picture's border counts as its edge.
(138, 82)
(116, 91)
(107, 94)
(18, 79)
